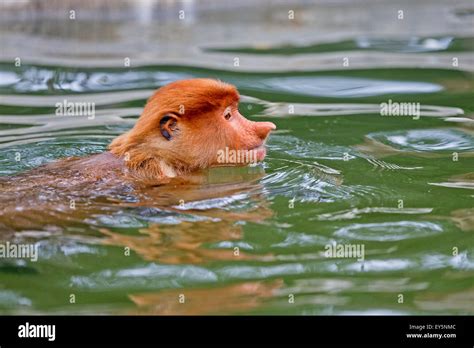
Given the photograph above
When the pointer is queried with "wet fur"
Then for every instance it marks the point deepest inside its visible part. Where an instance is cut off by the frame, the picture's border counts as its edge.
(137, 159)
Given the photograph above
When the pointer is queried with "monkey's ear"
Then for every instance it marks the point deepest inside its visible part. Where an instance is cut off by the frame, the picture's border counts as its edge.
(168, 126)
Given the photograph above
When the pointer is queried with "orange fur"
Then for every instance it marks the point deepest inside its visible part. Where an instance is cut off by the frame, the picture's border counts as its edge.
(198, 130)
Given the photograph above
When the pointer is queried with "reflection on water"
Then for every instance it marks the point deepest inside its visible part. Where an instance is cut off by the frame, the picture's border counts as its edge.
(242, 240)
(430, 140)
(340, 87)
(413, 44)
(389, 231)
(405, 45)
(185, 242)
(462, 301)
(231, 299)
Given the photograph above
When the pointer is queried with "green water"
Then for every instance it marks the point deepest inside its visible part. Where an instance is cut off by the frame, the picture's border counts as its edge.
(253, 240)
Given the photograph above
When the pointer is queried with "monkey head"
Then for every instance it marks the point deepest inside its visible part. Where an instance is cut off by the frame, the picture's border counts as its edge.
(189, 125)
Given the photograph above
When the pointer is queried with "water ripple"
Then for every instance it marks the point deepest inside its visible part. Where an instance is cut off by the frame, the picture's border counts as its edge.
(389, 231)
(36, 79)
(150, 276)
(342, 87)
(273, 109)
(357, 212)
(426, 140)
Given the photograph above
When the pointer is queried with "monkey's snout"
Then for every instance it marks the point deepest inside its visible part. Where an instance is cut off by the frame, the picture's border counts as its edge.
(263, 129)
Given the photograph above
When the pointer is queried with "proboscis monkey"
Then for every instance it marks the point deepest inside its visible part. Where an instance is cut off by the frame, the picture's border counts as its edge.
(189, 125)
(185, 126)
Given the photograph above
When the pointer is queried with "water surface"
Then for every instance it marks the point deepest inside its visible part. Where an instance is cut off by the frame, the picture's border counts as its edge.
(337, 172)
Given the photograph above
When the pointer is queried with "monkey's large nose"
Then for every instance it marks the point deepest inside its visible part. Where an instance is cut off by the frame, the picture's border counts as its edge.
(264, 128)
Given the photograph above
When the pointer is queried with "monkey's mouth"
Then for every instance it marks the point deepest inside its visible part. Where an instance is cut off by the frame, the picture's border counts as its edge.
(259, 152)
(236, 157)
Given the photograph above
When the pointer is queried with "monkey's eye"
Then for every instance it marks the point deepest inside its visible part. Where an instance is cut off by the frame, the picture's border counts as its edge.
(228, 116)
